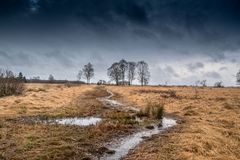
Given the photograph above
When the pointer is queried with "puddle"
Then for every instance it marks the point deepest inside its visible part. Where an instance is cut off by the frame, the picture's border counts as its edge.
(130, 142)
(87, 121)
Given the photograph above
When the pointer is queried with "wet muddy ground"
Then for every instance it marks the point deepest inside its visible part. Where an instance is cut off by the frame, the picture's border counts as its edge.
(97, 127)
(122, 146)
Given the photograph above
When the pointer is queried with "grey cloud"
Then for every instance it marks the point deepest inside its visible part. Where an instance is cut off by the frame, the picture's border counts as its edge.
(16, 59)
(4, 55)
(192, 67)
(169, 70)
(233, 60)
(223, 68)
(218, 57)
(59, 57)
(212, 74)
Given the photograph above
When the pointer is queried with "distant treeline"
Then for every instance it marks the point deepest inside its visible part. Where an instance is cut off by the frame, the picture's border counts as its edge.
(53, 81)
(121, 73)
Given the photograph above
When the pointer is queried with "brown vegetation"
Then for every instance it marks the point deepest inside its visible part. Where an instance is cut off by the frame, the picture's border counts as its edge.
(208, 127)
(152, 111)
(10, 84)
(21, 137)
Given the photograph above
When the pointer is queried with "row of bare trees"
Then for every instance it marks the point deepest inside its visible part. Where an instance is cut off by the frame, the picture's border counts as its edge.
(11, 84)
(124, 72)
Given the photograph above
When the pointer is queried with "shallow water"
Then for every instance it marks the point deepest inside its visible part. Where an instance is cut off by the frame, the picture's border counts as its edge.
(130, 142)
(114, 103)
(108, 101)
(124, 145)
(86, 121)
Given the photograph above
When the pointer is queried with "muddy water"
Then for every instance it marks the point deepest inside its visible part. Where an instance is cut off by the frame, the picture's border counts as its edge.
(86, 121)
(130, 142)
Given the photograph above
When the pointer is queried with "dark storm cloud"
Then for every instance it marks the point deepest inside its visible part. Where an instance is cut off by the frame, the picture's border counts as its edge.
(13, 7)
(192, 14)
(163, 21)
(90, 11)
(185, 26)
(68, 33)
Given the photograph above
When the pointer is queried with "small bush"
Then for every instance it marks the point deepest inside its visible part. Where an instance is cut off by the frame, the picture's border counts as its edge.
(123, 118)
(147, 110)
(172, 93)
(141, 113)
(155, 111)
(159, 112)
(68, 84)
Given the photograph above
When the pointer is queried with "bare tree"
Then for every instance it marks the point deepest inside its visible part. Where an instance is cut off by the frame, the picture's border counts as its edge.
(79, 75)
(238, 77)
(88, 72)
(203, 83)
(51, 78)
(131, 72)
(21, 77)
(123, 65)
(219, 84)
(114, 72)
(143, 72)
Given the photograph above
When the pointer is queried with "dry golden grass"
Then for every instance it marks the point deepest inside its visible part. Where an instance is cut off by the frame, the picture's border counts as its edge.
(22, 138)
(41, 98)
(209, 122)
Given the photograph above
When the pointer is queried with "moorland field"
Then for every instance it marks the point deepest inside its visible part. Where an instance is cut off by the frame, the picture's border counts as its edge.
(208, 122)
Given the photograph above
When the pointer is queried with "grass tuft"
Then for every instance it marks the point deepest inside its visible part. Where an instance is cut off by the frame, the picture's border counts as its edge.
(152, 110)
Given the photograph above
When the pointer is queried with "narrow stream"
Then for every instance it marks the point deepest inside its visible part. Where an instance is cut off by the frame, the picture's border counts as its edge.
(110, 102)
(115, 104)
(124, 145)
(130, 142)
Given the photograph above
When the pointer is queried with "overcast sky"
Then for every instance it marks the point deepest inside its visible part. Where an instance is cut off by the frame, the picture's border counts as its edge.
(182, 40)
